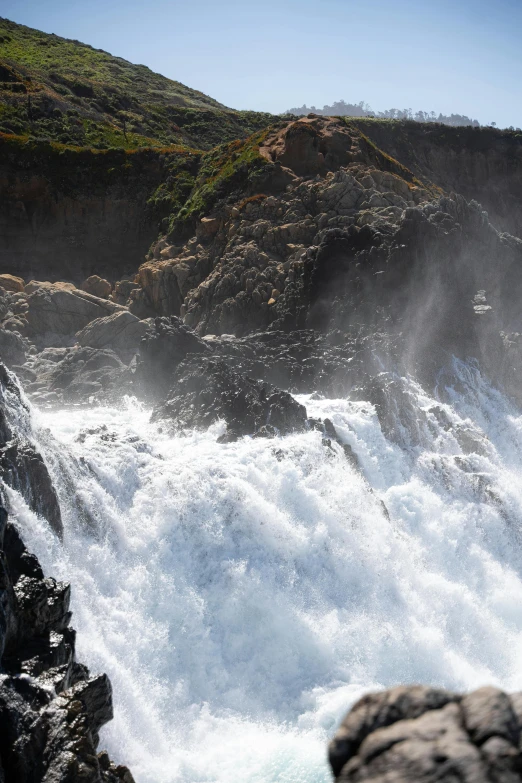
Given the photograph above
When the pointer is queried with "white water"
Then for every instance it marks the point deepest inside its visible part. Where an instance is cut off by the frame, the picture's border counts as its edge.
(241, 596)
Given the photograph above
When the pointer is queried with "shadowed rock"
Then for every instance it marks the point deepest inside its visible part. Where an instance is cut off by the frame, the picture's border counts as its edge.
(206, 389)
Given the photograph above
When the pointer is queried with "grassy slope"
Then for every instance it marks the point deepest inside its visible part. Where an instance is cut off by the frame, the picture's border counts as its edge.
(68, 92)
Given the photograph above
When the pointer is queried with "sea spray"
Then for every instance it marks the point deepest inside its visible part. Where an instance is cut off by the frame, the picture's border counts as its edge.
(241, 596)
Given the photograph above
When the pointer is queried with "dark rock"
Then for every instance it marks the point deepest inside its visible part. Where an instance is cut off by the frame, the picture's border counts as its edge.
(22, 467)
(50, 718)
(205, 389)
(166, 343)
(12, 348)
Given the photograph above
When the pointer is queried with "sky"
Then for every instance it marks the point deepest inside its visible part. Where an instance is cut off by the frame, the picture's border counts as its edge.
(449, 56)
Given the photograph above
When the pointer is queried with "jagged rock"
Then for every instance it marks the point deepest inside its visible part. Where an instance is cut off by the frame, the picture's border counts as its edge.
(11, 283)
(122, 332)
(88, 373)
(205, 389)
(97, 286)
(51, 709)
(21, 466)
(122, 291)
(418, 733)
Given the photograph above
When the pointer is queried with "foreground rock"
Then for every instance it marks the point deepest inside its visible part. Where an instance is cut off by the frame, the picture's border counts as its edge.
(166, 343)
(51, 709)
(425, 734)
(205, 389)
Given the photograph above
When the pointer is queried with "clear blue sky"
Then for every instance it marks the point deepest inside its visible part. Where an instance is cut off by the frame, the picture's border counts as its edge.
(443, 55)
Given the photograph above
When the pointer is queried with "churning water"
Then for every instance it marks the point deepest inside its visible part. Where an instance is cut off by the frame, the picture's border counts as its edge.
(241, 596)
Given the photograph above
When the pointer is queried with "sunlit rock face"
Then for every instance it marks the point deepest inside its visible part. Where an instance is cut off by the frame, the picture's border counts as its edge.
(420, 733)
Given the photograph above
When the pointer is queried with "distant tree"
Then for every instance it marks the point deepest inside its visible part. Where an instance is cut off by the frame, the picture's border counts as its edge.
(343, 109)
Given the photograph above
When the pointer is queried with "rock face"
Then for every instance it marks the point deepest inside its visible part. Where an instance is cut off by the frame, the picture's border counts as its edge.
(50, 716)
(73, 215)
(418, 733)
(51, 709)
(21, 465)
(205, 389)
(65, 312)
(166, 343)
(482, 164)
(122, 332)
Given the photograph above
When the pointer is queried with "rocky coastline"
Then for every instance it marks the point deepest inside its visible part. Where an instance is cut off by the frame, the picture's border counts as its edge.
(328, 269)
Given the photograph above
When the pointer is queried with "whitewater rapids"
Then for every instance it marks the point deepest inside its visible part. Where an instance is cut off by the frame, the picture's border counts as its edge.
(241, 596)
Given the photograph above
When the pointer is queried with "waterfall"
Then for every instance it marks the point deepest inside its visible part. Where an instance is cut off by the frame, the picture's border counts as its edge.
(241, 596)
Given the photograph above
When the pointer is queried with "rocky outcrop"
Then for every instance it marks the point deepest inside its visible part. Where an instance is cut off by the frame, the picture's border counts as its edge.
(205, 389)
(122, 332)
(418, 733)
(166, 343)
(484, 164)
(51, 708)
(355, 245)
(21, 465)
(64, 312)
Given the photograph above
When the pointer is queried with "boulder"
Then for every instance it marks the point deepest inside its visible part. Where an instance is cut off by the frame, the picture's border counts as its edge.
(207, 229)
(122, 291)
(97, 286)
(166, 343)
(88, 373)
(205, 389)
(64, 312)
(12, 348)
(11, 283)
(51, 709)
(417, 733)
(121, 331)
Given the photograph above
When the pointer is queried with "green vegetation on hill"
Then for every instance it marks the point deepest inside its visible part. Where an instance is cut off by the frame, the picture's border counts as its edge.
(68, 92)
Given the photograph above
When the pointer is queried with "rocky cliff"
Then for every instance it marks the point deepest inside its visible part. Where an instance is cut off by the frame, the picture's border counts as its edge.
(51, 708)
(479, 163)
(304, 259)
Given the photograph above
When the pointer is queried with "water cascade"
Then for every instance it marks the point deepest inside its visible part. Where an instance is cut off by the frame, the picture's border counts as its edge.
(241, 596)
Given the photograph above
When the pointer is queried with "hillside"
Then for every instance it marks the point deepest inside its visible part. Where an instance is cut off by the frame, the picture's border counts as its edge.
(69, 92)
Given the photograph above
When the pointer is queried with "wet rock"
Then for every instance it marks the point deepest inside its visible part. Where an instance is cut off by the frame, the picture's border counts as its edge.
(22, 467)
(51, 709)
(89, 374)
(12, 347)
(205, 389)
(416, 733)
(165, 344)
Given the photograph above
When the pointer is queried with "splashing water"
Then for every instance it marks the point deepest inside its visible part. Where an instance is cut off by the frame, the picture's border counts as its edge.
(241, 596)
